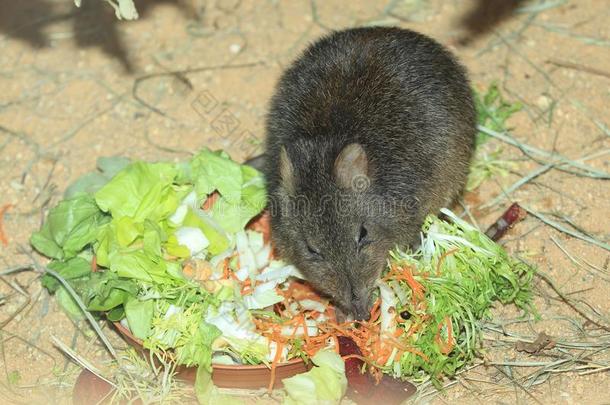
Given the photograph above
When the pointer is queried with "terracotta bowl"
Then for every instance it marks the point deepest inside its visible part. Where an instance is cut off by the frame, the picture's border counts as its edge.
(234, 376)
(238, 376)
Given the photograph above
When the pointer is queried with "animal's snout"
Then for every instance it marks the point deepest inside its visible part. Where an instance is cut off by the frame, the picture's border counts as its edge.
(360, 310)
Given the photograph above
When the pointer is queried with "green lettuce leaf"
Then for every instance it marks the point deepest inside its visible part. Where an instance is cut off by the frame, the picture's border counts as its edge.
(152, 238)
(112, 165)
(212, 171)
(139, 316)
(141, 190)
(116, 314)
(71, 269)
(70, 226)
(198, 346)
(234, 215)
(139, 265)
(241, 189)
(127, 230)
(207, 393)
(218, 238)
(125, 234)
(90, 183)
(326, 383)
(105, 291)
(68, 304)
(176, 249)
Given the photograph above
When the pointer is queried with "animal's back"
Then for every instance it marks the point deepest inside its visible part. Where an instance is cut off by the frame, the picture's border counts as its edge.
(397, 93)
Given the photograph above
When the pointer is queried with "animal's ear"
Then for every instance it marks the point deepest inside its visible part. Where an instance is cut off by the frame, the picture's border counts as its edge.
(286, 171)
(351, 168)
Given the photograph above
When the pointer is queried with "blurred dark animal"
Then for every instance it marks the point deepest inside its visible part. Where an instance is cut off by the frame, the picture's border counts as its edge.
(484, 16)
(368, 132)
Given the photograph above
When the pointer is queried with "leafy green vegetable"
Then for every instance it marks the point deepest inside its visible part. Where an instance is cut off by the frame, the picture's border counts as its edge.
(239, 333)
(89, 183)
(218, 238)
(141, 221)
(70, 226)
(116, 314)
(110, 166)
(486, 166)
(141, 190)
(68, 304)
(215, 171)
(139, 266)
(162, 261)
(105, 291)
(184, 330)
(233, 216)
(139, 316)
(198, 345)
(207, 393)
(326, 383)
(492, 112)
(71, 269)
(241, 189)
(462, 272)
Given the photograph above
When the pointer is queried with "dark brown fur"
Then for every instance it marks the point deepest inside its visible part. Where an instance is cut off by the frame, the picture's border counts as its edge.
(370, 130)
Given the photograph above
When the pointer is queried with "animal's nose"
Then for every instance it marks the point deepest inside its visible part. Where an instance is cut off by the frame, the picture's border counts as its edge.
(361, 311)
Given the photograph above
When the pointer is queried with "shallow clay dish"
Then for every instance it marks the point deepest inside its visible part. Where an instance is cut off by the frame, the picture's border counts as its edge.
(243, 377)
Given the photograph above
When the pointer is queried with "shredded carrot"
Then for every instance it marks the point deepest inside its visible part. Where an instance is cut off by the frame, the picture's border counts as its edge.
(376, 347)
(246, 287)
(276, 359)
(416, 352)
(3, 237)
(305, 331)
(210, 201)
(445, 347)
(417, 288)
(412, 329)
(375, 307)
(384, 358)
(225, 269)
(442, 258)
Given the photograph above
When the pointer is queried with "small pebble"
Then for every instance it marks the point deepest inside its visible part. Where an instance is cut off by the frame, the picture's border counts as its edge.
(235, 48)
(17, 185)
(543, 102)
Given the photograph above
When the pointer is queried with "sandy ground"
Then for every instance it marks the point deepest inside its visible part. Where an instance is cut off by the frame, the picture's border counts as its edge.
(77, 84)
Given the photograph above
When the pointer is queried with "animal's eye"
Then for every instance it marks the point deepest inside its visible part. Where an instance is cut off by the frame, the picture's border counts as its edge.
(363, 233)
(313, 251)
(362, 237)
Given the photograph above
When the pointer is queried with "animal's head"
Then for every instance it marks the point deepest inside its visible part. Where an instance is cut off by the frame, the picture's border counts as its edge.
(332, 225)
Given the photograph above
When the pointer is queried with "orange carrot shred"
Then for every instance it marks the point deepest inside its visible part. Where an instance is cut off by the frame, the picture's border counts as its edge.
(442, 259)
(3, 237)
(276, 359)
(375, 307)
(445, 347)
